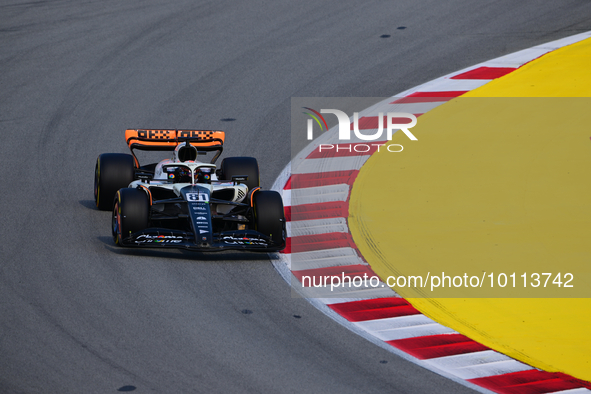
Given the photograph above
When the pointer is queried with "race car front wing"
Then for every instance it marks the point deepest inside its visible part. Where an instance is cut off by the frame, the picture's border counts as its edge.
(228, 240)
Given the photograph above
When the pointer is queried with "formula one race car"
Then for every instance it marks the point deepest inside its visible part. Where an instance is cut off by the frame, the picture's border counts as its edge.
(184, 203)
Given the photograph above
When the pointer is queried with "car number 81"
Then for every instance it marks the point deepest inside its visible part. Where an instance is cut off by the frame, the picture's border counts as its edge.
(195, 197)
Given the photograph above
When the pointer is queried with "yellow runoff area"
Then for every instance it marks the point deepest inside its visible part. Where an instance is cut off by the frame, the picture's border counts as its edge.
(499, 181)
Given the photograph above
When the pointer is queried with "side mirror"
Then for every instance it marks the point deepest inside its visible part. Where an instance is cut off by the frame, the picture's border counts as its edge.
(144, 176)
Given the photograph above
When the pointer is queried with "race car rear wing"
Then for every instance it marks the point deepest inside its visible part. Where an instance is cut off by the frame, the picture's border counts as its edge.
(168, 140)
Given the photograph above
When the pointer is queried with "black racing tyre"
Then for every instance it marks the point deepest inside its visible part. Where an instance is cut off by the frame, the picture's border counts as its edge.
(232, 166)
(113, 171)
(269, 217)
(131, 211)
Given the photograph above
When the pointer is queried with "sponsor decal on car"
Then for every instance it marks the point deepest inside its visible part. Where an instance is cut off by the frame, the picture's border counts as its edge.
(168, 239)
(202, 134)
(156, 134)
(243, 241)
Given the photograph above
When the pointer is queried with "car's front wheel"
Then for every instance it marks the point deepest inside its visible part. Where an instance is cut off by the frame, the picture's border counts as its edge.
(269, 216)
(131, 210)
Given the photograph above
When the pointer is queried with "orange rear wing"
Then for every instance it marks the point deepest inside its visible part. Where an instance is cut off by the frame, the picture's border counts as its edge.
(151, 139)
(168, 140)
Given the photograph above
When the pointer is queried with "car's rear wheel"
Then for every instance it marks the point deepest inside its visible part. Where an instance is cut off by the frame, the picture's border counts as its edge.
(269, 216)
(113, 171)
(234, 166)
(131, 211)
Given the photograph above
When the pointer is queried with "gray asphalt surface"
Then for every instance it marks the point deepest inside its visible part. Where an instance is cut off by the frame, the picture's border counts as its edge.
(78, 315)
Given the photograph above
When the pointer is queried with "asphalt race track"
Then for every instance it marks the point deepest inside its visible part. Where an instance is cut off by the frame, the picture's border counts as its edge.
(78, 314)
